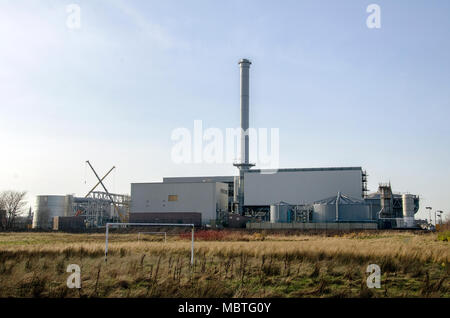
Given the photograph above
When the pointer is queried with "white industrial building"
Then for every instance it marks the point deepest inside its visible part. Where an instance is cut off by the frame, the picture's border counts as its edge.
(214, 196)
(210, 199)
(254, 193)
(301, 186)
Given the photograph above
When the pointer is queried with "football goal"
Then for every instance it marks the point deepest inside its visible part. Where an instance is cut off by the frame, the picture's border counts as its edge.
(108, 225)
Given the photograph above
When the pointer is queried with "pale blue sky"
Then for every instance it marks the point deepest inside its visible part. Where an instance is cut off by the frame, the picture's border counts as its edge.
(113, 91)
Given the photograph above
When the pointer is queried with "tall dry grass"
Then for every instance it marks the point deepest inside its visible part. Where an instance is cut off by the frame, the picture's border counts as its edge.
(242, 265)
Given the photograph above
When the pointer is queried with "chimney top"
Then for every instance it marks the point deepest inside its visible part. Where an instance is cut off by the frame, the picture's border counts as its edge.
(244, 61)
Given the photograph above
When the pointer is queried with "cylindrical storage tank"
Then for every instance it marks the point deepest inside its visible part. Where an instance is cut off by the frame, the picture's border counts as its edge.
(341, 208)
(49, 206)
(324, 213)
(408, 205)
(279, 213)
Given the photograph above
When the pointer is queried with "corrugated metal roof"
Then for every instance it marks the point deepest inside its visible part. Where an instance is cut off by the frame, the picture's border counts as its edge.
(343, 199)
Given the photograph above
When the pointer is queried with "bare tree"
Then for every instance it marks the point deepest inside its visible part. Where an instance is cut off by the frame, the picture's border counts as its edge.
(13, 203)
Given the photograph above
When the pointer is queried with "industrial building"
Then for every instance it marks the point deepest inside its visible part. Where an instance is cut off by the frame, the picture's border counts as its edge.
(297, 198)
(208, 199)
(97, 208)
(285, 198)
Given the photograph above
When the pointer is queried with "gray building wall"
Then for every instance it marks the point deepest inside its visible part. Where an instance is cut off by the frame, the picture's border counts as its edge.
(207, 198)
(301, 186)
(198, 179)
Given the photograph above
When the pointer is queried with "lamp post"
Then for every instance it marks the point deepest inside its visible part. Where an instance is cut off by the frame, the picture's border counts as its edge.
(440, 216)
(429, 208)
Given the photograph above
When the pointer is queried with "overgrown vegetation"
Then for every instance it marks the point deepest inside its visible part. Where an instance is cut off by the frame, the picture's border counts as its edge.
(444, 236)
(228, 264)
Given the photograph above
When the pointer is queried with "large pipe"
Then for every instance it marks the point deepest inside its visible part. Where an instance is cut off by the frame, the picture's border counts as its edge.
(245, 78)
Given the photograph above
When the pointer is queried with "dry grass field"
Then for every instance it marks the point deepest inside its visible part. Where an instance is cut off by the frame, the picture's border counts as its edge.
(227, 264)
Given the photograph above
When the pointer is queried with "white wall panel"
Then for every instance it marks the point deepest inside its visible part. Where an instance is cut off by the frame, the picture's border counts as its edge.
(301, 186)
(192, 197)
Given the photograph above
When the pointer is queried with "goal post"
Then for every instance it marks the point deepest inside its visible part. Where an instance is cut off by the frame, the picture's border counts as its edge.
(108, 225)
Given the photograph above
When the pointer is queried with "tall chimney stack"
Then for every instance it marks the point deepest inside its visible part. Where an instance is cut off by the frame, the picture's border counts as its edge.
(244, 165)
(245, 79)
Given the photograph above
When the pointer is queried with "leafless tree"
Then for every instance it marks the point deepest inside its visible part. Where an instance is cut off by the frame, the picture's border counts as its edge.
(13, 202)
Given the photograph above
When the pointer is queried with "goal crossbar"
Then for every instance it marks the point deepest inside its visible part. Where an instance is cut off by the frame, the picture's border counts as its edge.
(108, 225)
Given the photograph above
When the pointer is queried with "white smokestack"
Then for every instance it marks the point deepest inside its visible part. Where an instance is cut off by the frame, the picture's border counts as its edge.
(245, 79)
(244, 165)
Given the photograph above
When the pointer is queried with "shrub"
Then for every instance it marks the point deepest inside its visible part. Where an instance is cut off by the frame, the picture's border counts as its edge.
(444, 236)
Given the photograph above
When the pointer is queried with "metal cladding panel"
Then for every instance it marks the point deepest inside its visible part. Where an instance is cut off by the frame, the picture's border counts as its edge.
(346, 213)
(324, 213)
(221, 197)
(354, 213)
(300, 186)
(185, 197)
(198, 179)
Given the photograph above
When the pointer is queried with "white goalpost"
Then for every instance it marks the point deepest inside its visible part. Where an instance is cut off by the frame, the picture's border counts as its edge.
(153, 233)
(149, 224)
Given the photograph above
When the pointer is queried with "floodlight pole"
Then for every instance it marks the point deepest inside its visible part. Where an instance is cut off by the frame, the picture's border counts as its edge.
(192, 247)
(106, 242)
(429, 208)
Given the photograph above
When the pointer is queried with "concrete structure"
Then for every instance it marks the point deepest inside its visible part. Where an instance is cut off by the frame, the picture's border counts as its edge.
(49, 206)
(208, 198)
(301, 186)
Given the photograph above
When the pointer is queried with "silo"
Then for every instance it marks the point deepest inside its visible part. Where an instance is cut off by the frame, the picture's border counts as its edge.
(280, 213)
(341, 208)
(324, 213)
(408, 205)
(49, 206)
(408, 210)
